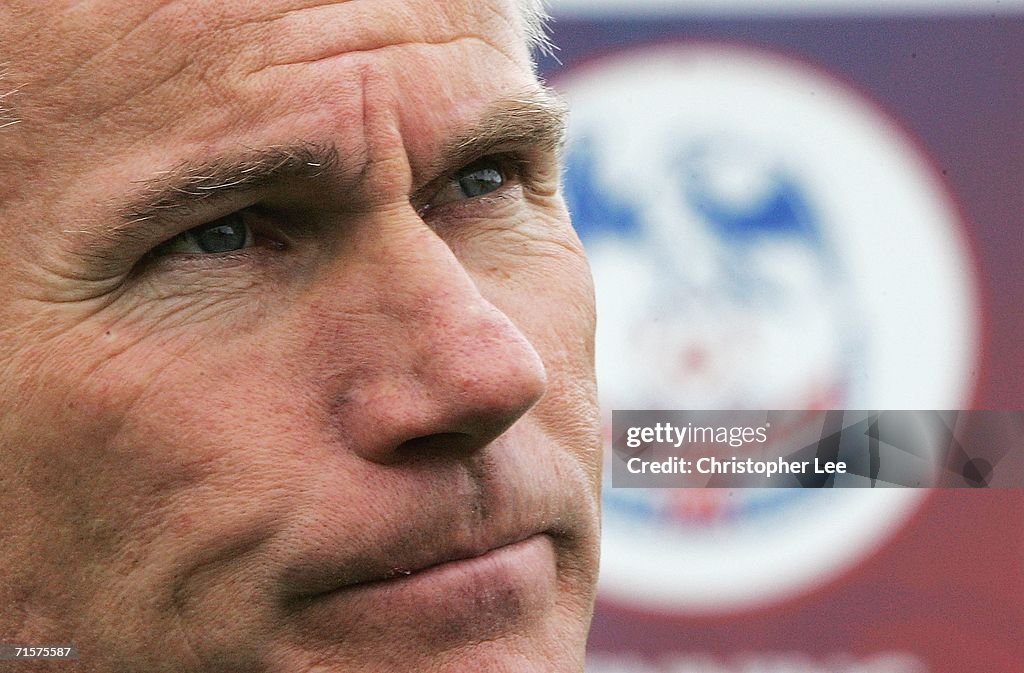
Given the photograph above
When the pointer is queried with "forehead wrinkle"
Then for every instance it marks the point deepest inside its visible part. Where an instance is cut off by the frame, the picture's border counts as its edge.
(115, 43)
(175, 69)
(317, 32)
(84, 43)
(337, 54)
(284, 13)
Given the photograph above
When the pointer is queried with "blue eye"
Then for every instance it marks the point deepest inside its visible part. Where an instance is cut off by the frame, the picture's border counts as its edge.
(226, 234)
(476, 181)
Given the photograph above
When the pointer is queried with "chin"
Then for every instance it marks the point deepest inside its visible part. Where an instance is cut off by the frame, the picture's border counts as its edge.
(507, 654)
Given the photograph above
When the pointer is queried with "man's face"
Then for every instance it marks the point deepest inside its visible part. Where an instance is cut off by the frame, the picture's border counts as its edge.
(295, 341)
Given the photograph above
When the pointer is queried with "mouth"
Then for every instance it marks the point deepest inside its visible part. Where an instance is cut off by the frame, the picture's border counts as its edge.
(473, 595)
(472, 556)
(452, 562)
(410, 566)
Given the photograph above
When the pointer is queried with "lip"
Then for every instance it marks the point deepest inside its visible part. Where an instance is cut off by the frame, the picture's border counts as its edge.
(499, 566)
(444, 603)
(452, 561)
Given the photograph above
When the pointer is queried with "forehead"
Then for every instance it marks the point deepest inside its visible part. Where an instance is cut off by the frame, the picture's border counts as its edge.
(64, 41)
(203, 74)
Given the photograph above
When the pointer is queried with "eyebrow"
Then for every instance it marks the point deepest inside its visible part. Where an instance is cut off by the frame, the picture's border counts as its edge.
(179, 191)
(535, 119)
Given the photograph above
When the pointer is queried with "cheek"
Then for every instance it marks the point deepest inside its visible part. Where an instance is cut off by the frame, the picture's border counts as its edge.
(535, 271)
(124, 422)
(217, 409)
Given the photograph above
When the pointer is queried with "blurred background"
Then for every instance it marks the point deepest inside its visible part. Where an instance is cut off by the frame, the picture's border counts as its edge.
(803, 204)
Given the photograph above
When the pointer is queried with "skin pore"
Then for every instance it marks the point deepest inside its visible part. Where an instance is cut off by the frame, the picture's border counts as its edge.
(296, 341)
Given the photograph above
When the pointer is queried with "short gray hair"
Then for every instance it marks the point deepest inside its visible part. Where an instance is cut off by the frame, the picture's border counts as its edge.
(7, 114)
(535, 19)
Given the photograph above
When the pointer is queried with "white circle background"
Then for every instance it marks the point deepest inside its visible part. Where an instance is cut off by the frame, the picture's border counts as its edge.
(898, 233)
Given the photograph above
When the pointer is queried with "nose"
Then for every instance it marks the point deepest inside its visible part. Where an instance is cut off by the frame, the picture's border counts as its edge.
(442, 369)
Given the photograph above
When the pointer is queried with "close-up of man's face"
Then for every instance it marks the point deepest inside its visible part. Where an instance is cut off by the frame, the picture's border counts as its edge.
(296, 341)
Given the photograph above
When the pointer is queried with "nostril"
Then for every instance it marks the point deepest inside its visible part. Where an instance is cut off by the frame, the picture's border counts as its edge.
(445, 444)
